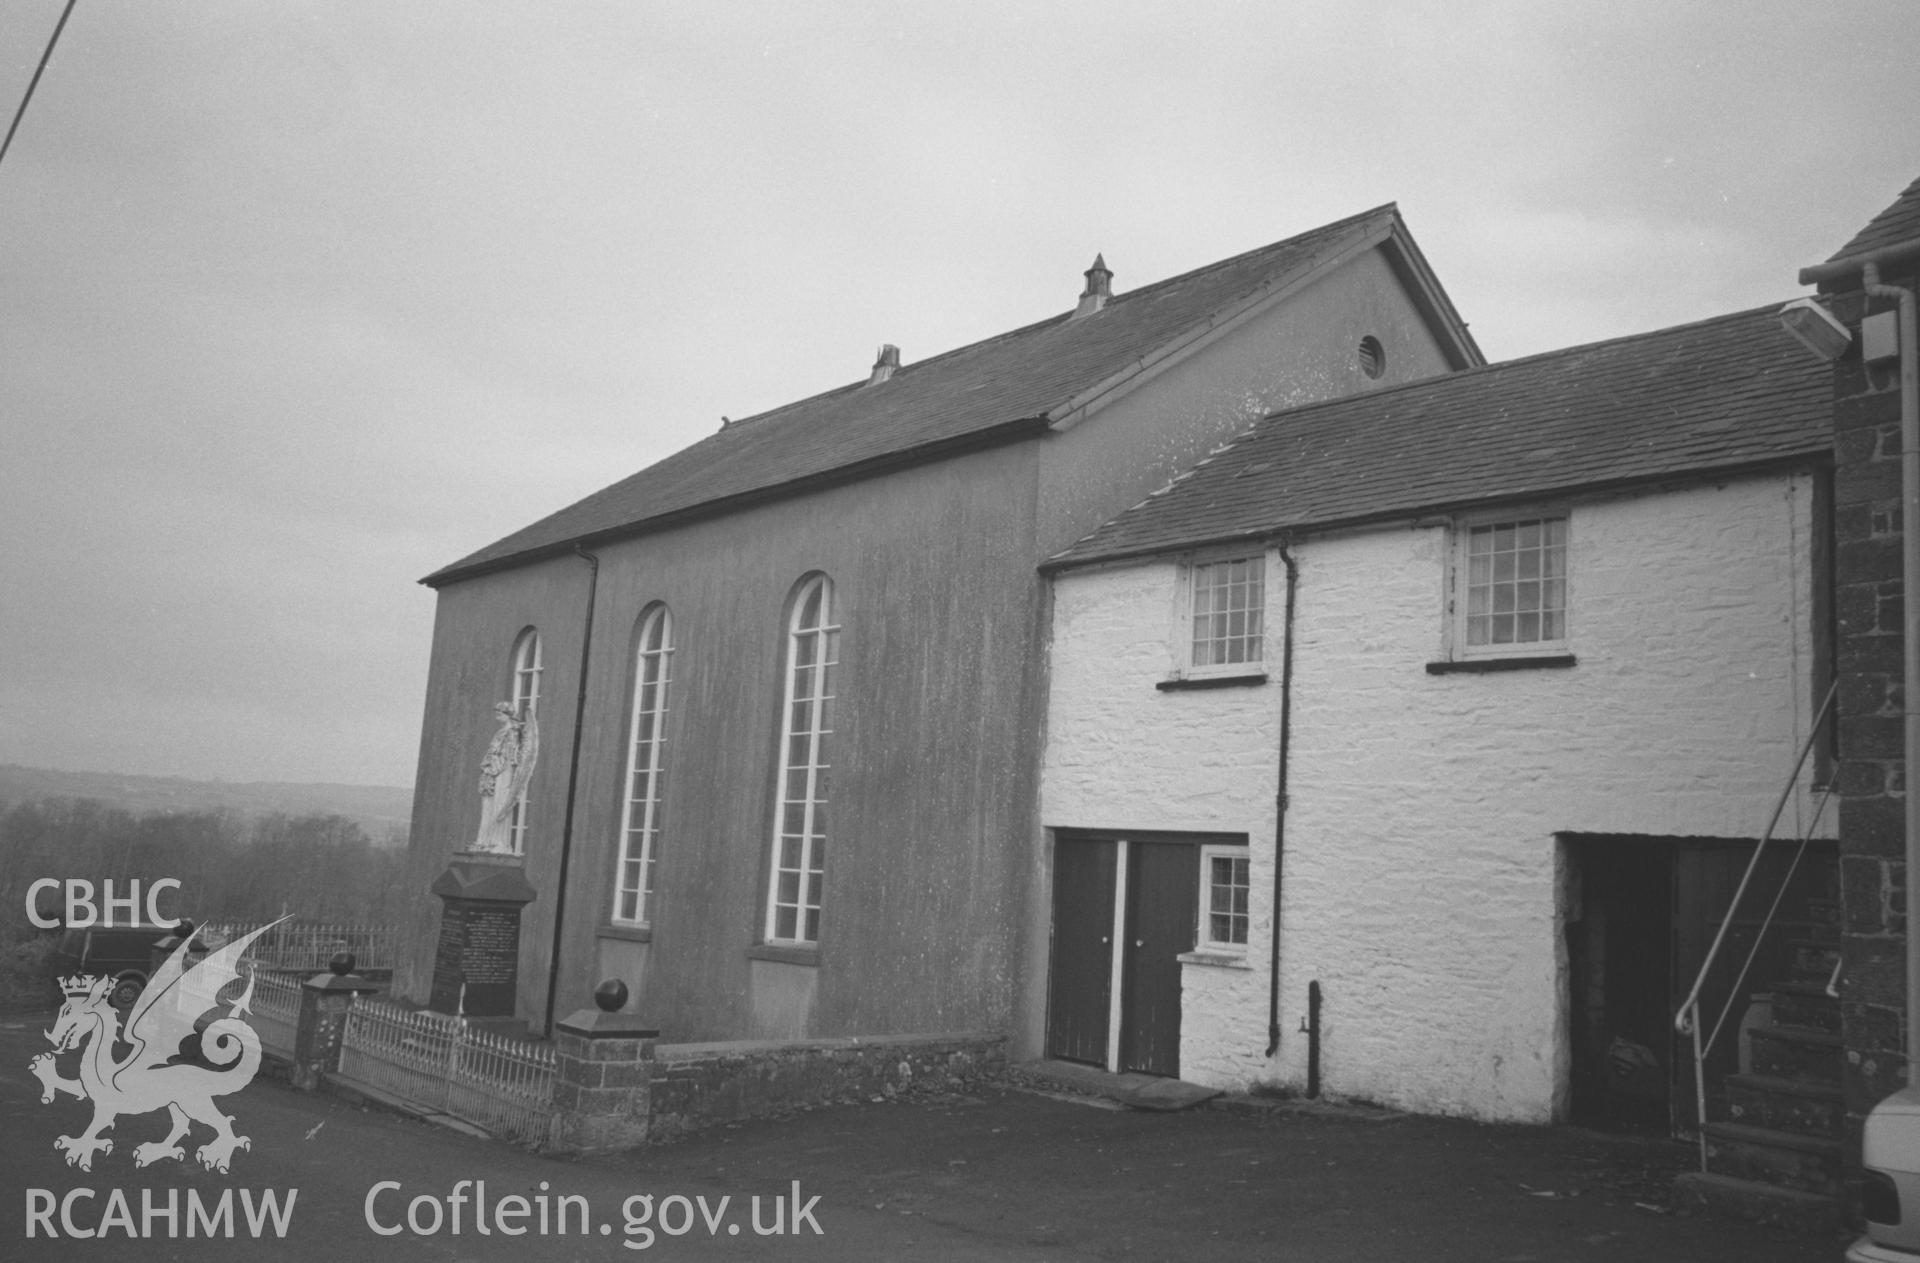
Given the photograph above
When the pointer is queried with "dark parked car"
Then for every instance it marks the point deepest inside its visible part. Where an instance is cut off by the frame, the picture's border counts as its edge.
(122, 952)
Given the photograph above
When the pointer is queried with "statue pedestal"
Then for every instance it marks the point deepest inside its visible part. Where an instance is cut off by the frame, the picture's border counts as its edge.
(476, 967)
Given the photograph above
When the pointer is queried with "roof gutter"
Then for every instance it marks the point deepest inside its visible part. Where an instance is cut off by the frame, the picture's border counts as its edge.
(1868, 265)
(1842, 269)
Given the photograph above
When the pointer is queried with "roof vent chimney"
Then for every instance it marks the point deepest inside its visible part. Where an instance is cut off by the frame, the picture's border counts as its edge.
(885, 364)
(1099, 288)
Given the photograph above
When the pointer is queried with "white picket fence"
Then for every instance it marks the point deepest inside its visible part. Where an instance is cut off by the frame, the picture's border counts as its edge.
(502, 1084)
(307, 946)
(276, 1010)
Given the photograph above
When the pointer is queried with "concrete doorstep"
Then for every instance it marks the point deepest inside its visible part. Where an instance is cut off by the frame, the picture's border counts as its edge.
(1135, 1091)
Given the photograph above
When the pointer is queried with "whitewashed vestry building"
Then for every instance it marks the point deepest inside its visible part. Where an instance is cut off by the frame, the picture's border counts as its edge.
(1557, 627)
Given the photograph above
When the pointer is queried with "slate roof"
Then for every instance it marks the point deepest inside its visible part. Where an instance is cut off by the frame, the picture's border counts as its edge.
(1898, 223)
(1011, 385)
(1718, 395)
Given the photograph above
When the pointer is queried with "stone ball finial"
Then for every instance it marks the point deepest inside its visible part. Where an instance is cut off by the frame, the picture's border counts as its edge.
(341, 964)
(611, 995)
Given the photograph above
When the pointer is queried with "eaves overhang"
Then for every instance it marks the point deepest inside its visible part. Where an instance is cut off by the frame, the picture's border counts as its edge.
(819, 442)
(1005, 433)
(1284, 530)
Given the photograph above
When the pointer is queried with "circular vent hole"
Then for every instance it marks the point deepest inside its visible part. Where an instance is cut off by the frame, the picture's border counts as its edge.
(1373, 356)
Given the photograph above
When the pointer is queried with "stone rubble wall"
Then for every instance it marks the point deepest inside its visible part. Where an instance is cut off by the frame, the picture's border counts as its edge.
(695, 1086)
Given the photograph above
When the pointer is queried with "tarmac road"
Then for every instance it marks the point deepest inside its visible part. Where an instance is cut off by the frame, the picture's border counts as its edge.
(996, 1175)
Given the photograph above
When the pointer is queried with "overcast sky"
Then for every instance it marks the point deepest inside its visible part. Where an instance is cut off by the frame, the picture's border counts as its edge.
(301, 301)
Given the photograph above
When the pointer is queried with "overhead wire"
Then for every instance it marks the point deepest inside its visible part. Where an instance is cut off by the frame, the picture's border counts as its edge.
(33, 83)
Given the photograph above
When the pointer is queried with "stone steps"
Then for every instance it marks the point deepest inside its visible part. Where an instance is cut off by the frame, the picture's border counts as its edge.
(1777, 1104)
(1813, 958)
(1775, 1137)
(1810, 1164)
(1805, 1006)
(1758, 1202)
(1788, 1052)
(1812, 925)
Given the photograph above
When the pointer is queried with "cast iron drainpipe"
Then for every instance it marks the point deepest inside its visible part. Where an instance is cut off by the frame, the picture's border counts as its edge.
(1868, 265)
(1280, 801)
(573, 780)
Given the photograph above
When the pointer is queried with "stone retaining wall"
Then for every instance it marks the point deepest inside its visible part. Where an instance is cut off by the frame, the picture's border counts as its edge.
(698, 1085)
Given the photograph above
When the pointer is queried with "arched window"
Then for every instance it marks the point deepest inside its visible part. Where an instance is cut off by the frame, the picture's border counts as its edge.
(800, 808)
(525, 697)
(646, 765)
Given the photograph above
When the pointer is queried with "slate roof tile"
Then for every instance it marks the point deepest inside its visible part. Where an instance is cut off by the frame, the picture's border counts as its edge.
(1016, 376)
(1720, 394)
(1898, 223)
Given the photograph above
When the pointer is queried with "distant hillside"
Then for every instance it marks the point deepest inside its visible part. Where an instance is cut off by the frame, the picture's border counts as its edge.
(384, 811)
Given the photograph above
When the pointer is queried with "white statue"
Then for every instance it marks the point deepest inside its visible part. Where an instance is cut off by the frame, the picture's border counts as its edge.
(504, 774)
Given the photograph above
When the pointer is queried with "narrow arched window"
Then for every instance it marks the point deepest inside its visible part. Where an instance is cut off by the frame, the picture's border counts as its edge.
(800, 807)
(525, 696)
(646, 765)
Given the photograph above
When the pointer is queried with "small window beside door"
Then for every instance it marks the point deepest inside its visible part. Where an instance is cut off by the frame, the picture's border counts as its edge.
(1225, 923)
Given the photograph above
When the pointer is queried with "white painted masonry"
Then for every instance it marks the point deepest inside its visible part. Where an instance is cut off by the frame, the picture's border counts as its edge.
(1422, 873)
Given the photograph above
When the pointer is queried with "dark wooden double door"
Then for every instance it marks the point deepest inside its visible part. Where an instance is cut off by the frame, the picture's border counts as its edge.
(1146, 894)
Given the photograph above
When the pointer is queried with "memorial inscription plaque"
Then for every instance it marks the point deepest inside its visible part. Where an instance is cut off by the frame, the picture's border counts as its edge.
(476, 961)
(480, 950)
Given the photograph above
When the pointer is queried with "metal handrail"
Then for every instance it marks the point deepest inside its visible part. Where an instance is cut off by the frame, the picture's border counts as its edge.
(1687, 1020)
(1746, 966)
(1793, 779)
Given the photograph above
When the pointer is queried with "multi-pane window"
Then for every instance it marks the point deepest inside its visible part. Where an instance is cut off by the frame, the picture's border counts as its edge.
(1228, 599)
(646, 765)
(1223, 898)
(526, 705)
(800, 827)
(1515, 583)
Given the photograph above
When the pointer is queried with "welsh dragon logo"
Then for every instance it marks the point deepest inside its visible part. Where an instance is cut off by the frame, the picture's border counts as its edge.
(153, 1074)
